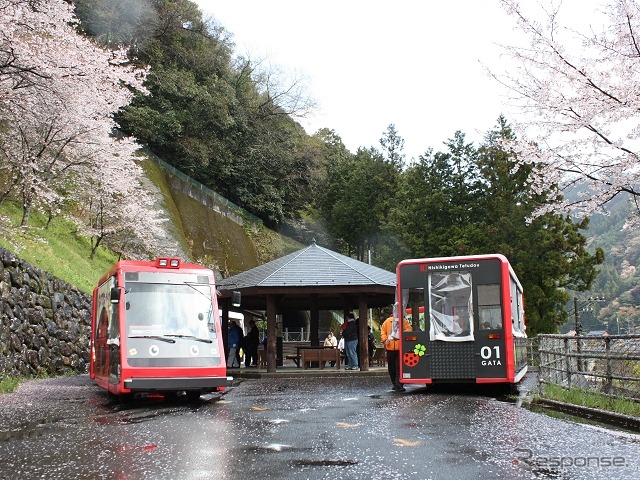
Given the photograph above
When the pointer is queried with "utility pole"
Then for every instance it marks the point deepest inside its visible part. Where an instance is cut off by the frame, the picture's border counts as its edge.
(370, 310)
(576, 310)
(577, 317)
(578, 332)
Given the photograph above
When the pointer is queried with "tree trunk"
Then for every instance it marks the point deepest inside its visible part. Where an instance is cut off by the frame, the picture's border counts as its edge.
(26, 210)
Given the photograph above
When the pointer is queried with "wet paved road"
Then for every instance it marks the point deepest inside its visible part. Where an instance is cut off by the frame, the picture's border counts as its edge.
(352, 428)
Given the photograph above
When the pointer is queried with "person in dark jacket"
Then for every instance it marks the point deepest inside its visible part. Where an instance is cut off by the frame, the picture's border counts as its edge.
(350, 335)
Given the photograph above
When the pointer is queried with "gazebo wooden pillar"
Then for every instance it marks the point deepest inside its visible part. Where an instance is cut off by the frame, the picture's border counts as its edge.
(271, 333)
(363, 334)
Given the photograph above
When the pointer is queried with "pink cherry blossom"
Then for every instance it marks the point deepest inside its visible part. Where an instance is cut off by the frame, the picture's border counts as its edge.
(58, 94)
(579, 92)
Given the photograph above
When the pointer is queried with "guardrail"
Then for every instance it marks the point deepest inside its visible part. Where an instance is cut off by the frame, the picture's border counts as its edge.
(295, 335)
(533, 356)
(607, 364)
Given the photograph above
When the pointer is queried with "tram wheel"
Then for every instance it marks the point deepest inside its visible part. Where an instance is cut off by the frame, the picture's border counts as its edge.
(124, 398)
(193, 395)
(170, 395)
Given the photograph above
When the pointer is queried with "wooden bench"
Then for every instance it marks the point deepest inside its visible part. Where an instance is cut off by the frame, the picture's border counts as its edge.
(320, 355)
(379, 357)
(291, 351)
(262, 358)
(294, 357)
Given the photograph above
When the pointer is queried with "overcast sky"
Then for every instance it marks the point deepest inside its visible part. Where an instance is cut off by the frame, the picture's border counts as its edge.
(417, 64)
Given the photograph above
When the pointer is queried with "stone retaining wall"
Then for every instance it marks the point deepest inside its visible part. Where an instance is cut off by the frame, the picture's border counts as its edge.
(46, 322)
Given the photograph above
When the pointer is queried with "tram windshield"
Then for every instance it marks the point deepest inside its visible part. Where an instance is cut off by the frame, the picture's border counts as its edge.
(179, 310)
(451, 307)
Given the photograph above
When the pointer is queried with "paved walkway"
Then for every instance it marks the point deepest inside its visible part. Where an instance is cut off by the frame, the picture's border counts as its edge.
(288, 371)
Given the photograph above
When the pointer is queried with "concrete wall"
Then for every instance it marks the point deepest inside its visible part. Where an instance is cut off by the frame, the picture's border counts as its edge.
(46, 322)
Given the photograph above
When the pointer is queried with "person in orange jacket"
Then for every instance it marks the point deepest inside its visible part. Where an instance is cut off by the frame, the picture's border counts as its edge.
(389, 335)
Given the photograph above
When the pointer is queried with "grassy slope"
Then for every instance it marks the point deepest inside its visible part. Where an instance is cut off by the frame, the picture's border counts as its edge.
(55, 249)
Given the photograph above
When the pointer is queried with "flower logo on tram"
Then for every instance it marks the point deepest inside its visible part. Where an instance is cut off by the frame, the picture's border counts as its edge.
(420, 350)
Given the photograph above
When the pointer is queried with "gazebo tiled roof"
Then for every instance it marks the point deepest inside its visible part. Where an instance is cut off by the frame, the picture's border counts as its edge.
(312, 266)
(314, 270)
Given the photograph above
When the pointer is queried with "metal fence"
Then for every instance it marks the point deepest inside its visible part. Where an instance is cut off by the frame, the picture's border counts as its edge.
(295, 335)
(608, 365)
(301, 335)
(533, 356)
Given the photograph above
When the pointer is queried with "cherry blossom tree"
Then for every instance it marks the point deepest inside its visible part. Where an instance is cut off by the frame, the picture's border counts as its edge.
(579, 88)
(58, 94)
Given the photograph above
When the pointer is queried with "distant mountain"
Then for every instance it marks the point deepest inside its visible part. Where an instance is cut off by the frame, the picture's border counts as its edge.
(619, 278)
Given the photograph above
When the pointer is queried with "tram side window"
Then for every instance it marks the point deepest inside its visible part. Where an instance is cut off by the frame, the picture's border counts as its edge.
(517, 310)
(489, 310)
(114, 326)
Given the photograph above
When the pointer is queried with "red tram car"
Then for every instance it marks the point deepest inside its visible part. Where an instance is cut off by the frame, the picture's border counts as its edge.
(468, 321)
(155, 327)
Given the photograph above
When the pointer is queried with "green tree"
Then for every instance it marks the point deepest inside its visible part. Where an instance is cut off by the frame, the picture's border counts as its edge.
(354, 201)
(321, 152)
(117, 22)
(227, 122)
(392, 146)
(437, 202)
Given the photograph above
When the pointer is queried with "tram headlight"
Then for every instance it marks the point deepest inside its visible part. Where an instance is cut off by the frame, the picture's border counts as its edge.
(165, 262)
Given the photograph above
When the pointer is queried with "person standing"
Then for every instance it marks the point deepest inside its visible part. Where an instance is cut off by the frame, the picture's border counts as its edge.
(343, 355)
(250, 345)
(350, 336)
(389, 335)
(235, 333)
(371, 340)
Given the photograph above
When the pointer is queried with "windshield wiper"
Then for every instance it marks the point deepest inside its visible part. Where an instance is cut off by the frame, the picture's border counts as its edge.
(204, 340)
(155, 337)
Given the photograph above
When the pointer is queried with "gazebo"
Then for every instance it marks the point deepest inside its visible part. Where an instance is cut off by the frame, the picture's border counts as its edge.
(311, 279)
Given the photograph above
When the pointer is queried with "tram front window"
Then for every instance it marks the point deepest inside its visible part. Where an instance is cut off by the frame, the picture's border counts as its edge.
(169, 309)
